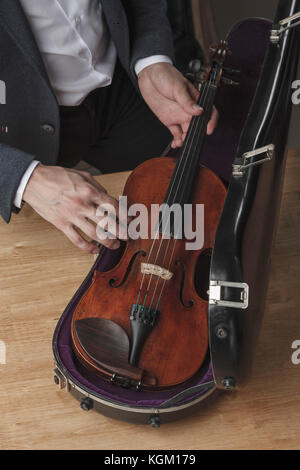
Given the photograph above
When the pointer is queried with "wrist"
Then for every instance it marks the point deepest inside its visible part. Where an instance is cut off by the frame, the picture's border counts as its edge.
(156, 66)
(141, 64)
(18, 200)
(34, 177)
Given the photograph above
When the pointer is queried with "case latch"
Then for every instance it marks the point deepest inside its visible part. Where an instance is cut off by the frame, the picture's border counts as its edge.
(284, 25)
(61, 380)
(239, 169)
(215, 294)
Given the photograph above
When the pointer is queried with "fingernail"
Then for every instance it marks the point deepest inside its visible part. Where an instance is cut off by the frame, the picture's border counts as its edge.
(197, 108)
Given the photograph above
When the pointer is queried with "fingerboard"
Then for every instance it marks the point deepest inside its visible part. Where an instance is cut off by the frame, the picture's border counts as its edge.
(181, 184)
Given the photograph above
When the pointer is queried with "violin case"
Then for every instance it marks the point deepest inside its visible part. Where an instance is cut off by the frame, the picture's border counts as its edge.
(248, 151)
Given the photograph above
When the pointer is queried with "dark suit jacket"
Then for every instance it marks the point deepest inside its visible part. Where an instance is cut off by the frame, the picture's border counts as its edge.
(139, 29)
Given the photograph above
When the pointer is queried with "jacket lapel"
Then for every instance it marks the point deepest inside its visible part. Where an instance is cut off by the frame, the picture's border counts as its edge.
(13, 19)
(118, 25)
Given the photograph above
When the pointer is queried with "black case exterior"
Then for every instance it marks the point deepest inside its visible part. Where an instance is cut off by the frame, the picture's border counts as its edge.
(244, 239)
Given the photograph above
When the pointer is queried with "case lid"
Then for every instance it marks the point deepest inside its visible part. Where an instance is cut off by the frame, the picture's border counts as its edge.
(241, 256)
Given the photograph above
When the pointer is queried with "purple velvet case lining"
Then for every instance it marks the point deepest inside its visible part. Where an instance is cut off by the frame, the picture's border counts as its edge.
(248, 42)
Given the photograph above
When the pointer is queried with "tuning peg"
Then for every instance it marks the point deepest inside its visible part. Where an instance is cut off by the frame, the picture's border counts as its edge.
(230, 71)
(228, 81)
(195, 66)
(213, 49)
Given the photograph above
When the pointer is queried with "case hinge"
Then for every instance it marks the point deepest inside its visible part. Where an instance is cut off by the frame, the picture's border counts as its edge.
(215, 294)
(61, 380)
(239, 169)
(284, 25)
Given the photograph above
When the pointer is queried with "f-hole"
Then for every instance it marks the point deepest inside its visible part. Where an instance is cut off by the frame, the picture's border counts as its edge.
(191, 302)
(113, 282)
(202, 272)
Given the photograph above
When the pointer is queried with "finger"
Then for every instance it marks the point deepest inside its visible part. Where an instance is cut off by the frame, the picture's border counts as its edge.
(193, 91)
(178, 143)
(177, 134)
(109, 224)
(89, 178)
(93, 181)
(107, 215)
(185, 126)
(108, 206)
(107, 238)
(112, 228)
(120, 210)
(184, 98)
(77, 240)
(90, 229)
(87, 227)
(213, 121)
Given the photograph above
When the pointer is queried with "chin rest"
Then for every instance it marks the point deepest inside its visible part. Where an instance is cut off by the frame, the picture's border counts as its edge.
(108, 345)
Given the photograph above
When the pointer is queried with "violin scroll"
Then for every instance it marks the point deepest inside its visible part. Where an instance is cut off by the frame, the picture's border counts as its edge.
(220, 52)
(199, 74)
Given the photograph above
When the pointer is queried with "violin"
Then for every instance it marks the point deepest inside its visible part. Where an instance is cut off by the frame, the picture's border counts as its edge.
(143, 324)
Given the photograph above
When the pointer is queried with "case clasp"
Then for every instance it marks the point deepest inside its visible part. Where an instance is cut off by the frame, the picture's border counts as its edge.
(284, 25)
(215, 294)
(239, 169)
(61, 380)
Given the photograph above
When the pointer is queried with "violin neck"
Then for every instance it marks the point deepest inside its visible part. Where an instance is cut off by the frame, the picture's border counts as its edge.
(180, 187)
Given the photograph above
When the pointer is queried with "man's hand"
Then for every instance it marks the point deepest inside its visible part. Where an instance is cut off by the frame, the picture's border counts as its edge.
(173, 99)
(69, 200)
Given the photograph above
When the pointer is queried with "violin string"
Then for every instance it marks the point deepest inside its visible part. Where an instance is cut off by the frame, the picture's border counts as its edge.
(182, 160)
(186, 149)
(197, 136)
(185, 161)
(189, 146)
(164, 282)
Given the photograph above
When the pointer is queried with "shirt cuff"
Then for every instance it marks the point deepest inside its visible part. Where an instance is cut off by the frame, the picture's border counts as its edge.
(153, 59)
(23, 184)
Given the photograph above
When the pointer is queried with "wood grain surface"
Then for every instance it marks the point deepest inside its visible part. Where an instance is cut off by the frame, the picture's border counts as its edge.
(39, 272)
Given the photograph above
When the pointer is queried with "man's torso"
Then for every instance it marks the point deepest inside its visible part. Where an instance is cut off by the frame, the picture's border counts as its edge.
(75, 44)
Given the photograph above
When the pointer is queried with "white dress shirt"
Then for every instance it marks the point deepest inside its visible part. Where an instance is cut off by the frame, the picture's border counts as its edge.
(77, 50)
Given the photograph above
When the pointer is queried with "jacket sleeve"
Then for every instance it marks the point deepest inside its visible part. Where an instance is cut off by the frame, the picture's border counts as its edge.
(150, 29)
(13, 164)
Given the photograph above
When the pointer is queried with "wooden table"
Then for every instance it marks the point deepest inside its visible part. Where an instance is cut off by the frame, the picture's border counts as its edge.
(39, 272)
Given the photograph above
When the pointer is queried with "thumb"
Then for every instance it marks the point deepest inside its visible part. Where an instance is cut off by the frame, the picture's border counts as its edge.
(186, 98)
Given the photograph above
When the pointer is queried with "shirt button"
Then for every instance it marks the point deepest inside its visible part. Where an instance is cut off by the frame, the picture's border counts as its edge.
(48, 128)
(77, 20)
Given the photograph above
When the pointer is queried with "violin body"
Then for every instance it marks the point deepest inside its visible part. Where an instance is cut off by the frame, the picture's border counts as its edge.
(144, 323)
(177, 344)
